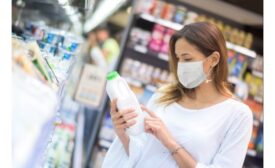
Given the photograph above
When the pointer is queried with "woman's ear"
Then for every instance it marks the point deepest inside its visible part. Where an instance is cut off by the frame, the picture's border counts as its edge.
(215, 58)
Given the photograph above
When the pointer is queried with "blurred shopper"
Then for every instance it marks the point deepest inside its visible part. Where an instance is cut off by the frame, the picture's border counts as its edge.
(95, 52)
(193, 122)
(109, 46)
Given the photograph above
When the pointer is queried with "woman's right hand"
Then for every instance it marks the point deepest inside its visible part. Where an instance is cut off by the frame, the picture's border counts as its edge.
(122, 119)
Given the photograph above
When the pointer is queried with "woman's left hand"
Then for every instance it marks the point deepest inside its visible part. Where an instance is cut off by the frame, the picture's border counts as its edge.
(154, 125)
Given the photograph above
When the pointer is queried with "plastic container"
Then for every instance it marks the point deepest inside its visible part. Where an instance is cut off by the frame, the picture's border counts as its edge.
(47, 47)
(71, 43)
(53, 37)
(64, 54)
(118, 88)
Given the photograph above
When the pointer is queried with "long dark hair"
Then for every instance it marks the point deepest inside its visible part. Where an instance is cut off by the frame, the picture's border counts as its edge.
(207, 38)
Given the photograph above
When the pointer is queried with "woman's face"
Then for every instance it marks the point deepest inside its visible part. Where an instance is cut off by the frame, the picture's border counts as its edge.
(186, 52)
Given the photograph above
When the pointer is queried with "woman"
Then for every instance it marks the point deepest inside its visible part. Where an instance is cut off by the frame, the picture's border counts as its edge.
(192, 123)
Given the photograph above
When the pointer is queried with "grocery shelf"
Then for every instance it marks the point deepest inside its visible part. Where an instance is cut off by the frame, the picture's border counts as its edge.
(133, 82)
(177, 26)
(144, 50)
(241, 49)
(147, 57)
(78, 150)
(44, 140)
(166, 23)
(139, 83)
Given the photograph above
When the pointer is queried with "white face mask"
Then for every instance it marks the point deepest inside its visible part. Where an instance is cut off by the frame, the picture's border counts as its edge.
(191, 74)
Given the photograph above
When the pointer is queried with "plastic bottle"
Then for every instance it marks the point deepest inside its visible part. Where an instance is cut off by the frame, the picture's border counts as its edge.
(118, 88)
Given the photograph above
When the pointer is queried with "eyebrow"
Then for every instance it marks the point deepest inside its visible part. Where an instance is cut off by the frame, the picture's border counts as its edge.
(182, 54)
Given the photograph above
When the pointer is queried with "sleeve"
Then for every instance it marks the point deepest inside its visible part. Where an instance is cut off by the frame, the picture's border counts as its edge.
(112, 47)
(98, 57)
(117, 157)
(232, 151)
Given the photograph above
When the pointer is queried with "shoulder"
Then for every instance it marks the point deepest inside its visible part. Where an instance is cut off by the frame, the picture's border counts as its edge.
(111, 42)
(153, 100)
(241, 110)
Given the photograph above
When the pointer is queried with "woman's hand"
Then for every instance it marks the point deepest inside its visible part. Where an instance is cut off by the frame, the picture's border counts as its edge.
(154, 125)
(122, 119)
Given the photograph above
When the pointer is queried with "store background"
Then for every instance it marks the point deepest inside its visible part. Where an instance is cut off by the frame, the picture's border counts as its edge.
(73, 129)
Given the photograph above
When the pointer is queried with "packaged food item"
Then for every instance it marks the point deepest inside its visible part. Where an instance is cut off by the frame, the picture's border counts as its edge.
(141, 72)
(52, 37)
(191, 17)
(240, 38)
(168, 11)
(155, 76)
(241, 90)
(47, 47)
(148, 74)
(220, 25)
(37, 59)
(240, 66)
(259, 141)
(118, 88)
(156, 8)
(157, 37)
(256, 108)
(135, 68)
(180, 15)
(252, 142)
(255, 85)
(165, 42)
(64, 54)
(39, 32)
(70, 43)
(144, 6)
(135, 35)
(146, 36)
(211, 20)
(227, 32)
(20, 58)
(201, 18)
(257, 64)
(126, 67)
(234, 36)
(248, 40)
(231, 61)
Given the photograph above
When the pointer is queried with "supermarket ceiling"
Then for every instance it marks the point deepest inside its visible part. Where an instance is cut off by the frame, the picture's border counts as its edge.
(246, 12)
(251, 5)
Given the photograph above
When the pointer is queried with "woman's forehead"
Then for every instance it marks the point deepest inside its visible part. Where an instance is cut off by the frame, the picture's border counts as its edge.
(183, 45)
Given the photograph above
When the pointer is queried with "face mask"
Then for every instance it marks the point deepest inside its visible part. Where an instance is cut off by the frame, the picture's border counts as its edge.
(191, 74)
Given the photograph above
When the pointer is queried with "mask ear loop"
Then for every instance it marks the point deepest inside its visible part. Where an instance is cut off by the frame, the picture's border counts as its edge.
(208, 74)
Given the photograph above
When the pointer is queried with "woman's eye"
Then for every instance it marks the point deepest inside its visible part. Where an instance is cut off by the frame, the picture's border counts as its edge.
(187, 59)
